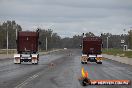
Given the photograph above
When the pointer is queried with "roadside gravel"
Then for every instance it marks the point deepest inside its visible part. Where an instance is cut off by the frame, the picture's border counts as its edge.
(124, 60)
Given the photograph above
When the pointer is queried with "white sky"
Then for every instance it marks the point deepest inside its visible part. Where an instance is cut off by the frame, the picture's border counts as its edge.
(70, 17)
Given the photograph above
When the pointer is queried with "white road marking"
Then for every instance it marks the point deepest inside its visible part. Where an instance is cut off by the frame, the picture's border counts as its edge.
(28, 80)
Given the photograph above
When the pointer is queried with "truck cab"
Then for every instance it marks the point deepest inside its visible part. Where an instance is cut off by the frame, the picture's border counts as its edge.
(91, 50)
(27, 47)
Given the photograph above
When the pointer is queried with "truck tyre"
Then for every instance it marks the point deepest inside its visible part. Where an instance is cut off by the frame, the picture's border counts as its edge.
(36, 63)
(99, 62)
(82, 62)
(19, 63)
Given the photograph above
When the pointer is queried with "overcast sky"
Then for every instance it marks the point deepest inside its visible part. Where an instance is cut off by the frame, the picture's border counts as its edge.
(70, 17)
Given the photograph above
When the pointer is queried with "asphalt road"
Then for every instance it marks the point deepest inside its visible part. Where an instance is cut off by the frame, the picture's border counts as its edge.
(60, 69)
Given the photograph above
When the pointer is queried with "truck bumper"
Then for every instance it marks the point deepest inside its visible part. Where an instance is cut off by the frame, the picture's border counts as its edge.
(17, 59)
(33, 58)
(84, 59)
(99, 59)
(91, 58)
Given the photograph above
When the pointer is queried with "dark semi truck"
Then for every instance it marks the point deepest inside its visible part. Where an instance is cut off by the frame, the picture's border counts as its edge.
(91, 50)
(27, 47)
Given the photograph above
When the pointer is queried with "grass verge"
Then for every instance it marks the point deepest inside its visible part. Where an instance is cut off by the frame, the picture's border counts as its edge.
(118, 52)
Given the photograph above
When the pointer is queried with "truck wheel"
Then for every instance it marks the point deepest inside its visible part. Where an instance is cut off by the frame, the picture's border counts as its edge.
(19, 63)
(36, 63)
(82, 62)
(99, 62)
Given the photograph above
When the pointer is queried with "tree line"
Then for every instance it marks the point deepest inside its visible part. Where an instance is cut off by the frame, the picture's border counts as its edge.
(55, 41)
(10, 27)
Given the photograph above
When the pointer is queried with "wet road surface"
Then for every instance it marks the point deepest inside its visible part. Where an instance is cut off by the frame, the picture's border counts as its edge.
(60, 69)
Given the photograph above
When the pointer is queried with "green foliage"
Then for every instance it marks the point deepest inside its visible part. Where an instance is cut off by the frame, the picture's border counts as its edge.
(112, 51)
(130, 39)
(118, 52)
(10, 51)
(11, 27)
(89, 34)
(114, 41)
(53, 40)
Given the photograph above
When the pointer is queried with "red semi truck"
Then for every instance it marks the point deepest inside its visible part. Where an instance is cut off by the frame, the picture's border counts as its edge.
(27, 47)
(91, 50)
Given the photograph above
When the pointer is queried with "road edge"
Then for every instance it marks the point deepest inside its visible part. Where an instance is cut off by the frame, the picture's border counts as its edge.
(123, 60)
(10, 56)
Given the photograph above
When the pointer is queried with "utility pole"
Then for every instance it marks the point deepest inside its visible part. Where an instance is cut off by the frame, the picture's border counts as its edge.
(7, 39)
(107, 43)
(82, 40)
(16, 33)
(46, 43)
(124, 39)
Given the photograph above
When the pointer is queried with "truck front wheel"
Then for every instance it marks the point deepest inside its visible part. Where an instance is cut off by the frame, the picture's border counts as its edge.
(99, 62)
(85, 62)
(82, 62)
(37, 62)
(19, 63)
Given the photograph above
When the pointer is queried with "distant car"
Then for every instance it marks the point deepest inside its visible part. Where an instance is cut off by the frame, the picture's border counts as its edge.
(65, 48)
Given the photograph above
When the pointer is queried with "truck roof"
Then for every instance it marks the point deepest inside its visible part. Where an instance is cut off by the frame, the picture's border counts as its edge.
(27, 33)
(92, 39)
(27, 41)
(92, 45)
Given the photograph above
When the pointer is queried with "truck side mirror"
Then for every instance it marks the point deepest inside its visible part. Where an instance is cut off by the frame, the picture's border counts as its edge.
(40, 43)
(38, 30)
(102, 46)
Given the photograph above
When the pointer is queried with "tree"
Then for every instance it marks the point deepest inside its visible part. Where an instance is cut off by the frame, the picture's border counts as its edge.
(130, 38)
(114, 41)
(89, 34)
(8, 26)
